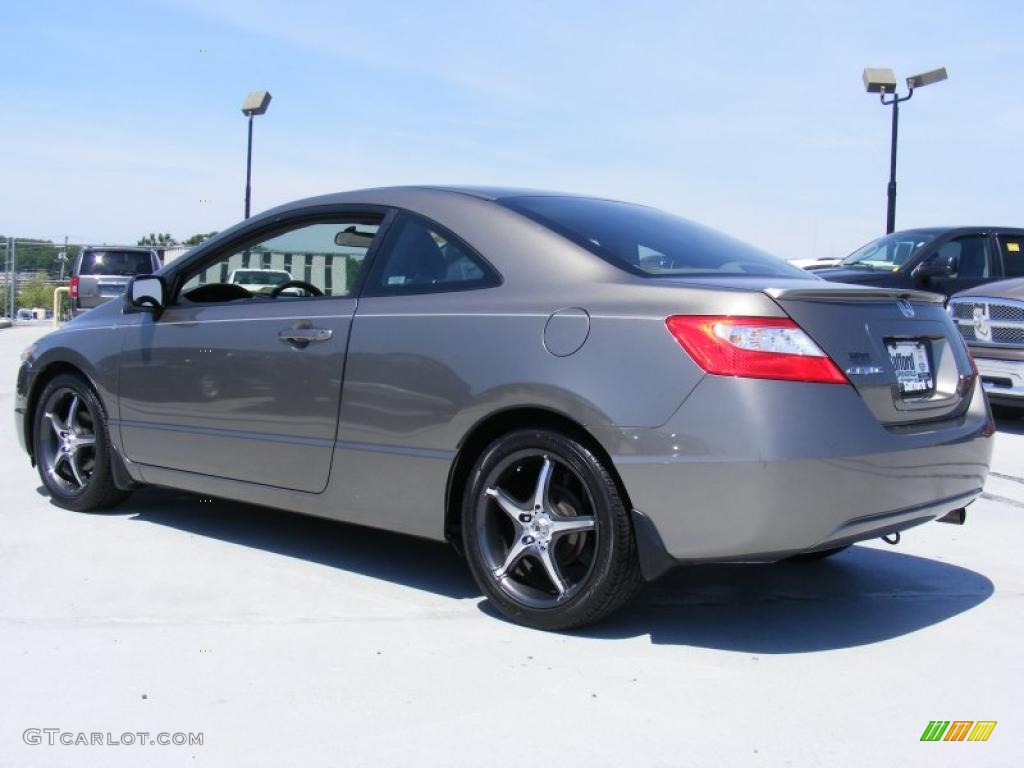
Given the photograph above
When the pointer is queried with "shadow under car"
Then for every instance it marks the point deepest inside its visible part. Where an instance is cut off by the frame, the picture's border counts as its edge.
(861, 596)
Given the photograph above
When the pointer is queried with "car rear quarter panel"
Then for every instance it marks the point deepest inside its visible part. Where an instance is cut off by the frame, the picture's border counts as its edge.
(423, 371)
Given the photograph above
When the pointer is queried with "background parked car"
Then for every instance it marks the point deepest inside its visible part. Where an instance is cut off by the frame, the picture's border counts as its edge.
(991, 319)
(259, 280)
(940, 259)
(102, 272)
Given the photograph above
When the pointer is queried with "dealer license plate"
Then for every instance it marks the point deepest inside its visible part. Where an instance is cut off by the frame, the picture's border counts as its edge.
(913, 369)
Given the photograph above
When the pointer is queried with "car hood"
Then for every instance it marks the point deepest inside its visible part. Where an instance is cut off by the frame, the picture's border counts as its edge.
(1003, 289)
(848, 275)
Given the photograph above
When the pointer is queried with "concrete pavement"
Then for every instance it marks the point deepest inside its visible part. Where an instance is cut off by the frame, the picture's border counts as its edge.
(291, 641)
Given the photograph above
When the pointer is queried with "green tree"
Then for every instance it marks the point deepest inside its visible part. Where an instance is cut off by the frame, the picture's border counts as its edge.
(198, 238)
(36, 293)
(35, 255)
(154, 238)
(352, 267)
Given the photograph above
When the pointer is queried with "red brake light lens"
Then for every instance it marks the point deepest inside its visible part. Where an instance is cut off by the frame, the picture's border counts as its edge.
(74, 288)
(754, 347)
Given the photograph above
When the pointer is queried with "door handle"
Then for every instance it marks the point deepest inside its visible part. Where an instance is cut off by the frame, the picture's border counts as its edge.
(305, 335)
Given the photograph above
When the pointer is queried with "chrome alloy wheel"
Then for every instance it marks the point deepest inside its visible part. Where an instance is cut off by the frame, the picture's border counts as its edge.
(537, 528)
(69, 446)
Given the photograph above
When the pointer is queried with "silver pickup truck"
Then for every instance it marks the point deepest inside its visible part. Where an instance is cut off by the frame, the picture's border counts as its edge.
(102, 272)
(991, 319)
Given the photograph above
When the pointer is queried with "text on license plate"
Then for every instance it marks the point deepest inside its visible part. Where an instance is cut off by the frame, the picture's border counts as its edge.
(913, 370)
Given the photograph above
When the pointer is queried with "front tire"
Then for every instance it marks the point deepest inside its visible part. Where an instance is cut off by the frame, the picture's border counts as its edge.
(547, 533)
(72, 446)
(1007, 412)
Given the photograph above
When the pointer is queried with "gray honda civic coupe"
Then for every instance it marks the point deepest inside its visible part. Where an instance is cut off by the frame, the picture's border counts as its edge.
(577, 393)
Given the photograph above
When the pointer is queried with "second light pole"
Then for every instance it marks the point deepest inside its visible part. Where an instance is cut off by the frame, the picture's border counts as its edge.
(255, 103)
(882, 82)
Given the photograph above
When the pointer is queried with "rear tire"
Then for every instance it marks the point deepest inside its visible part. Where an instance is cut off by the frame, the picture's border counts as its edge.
(546, 532)
(810, 557)
(72, 447)
(1007, 412)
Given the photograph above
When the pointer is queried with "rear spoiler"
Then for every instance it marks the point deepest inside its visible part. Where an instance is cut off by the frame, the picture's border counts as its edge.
(854, 293)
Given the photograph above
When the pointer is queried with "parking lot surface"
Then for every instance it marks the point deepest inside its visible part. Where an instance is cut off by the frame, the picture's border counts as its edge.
(293, 641)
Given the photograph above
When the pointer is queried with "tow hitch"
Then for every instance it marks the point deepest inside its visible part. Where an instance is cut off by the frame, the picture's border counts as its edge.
(956, 517)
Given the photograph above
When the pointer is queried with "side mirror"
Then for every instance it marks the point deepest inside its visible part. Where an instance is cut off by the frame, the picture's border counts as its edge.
(146, 293)
(939, 266)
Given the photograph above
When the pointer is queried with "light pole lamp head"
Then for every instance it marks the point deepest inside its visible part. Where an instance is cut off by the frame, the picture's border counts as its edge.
(879, 80)
(926, 78)
(256, 103)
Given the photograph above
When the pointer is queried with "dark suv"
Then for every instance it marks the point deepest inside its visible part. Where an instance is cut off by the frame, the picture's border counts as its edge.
(101, 272)
(940, 259)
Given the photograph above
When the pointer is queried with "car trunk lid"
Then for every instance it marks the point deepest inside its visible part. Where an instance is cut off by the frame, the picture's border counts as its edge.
(899, 349)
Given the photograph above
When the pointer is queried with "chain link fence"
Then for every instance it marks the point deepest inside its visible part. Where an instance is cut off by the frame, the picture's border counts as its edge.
(33, 270)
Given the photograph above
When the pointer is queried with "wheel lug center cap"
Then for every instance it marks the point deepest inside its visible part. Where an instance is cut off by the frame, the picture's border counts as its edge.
(541, 527)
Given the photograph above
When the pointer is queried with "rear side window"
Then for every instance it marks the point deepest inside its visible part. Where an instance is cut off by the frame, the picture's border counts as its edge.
(116, 263)
(649, 242)
(1012, 249)
(418, 256)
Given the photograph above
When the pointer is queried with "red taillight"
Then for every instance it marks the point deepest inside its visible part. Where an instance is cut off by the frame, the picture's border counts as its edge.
(970, 359)
(74, 288)
(753, 347)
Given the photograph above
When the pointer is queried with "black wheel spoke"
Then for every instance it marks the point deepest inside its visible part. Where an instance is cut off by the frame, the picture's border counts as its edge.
(533, 503)
(68, 447)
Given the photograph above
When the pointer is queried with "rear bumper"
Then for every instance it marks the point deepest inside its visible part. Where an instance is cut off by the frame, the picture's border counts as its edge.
(759, 470)
(1003, 379)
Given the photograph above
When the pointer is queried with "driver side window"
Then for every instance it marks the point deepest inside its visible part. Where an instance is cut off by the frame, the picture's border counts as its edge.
(971, 256)
(317, 259)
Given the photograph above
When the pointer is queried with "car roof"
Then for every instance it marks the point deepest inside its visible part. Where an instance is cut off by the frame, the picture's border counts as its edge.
(957, 228)
(502, 193)
(400, 196)
(397, 195)
(144, 248)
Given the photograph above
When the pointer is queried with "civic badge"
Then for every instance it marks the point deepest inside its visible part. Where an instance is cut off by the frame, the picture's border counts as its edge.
(905, 307)
(982, 323)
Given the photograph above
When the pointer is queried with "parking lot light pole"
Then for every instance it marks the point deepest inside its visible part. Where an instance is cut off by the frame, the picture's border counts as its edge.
(8, 306)
(882, 82)
(255, 103)
(12, 281)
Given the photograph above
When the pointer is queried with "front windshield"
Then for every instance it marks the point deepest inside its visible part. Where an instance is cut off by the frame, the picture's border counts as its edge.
(888, 253)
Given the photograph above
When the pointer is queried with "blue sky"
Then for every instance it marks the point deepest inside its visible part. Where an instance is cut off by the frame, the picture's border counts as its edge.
(748, 117)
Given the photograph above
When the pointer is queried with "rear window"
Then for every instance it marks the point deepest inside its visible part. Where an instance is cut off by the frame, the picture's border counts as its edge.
(116, 263)
(649, 242)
